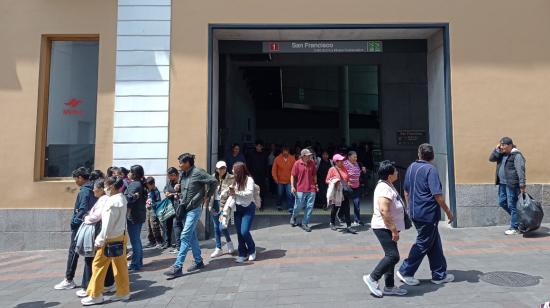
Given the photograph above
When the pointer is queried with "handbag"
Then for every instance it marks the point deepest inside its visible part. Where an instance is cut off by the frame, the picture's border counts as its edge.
(164, 210)
(346, 189)
(114, 249)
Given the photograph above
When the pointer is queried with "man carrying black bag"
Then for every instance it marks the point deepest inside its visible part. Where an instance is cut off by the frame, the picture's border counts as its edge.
(510, 178)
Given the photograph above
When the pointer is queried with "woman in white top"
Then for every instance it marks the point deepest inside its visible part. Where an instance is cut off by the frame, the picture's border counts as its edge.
(388, 220)
(113, 229)
(225, 179)
(243, 193)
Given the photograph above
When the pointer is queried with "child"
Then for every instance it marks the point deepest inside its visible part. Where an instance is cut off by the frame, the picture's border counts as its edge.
(153, 224)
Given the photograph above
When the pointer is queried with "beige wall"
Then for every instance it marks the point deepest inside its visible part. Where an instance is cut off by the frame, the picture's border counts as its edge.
(500, 65)
(23, 23)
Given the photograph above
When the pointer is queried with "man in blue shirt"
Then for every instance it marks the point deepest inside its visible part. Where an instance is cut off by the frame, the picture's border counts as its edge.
(424, 197)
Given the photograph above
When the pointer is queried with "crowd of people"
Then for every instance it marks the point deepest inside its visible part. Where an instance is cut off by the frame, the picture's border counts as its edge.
(112, 208)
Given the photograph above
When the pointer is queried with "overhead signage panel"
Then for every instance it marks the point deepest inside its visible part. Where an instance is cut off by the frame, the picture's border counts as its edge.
(321, 46)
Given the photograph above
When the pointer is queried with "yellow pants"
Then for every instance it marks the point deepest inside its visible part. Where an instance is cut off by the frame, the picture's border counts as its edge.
(100, 267)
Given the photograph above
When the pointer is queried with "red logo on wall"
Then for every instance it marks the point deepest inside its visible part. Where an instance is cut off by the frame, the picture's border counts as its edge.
(72, 104)
(274, 47)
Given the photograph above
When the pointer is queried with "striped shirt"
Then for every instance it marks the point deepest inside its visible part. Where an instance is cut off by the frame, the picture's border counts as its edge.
(354, 171)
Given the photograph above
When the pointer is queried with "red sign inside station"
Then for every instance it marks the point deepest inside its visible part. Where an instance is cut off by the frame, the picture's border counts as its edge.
(73, 103)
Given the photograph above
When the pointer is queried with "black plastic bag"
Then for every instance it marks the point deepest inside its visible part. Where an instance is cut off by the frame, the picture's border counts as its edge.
(530, 213)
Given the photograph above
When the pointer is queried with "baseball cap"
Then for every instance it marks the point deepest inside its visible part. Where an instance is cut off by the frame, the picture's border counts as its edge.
(221, 164)
(506, 140)
(305, 152)
(338, 157)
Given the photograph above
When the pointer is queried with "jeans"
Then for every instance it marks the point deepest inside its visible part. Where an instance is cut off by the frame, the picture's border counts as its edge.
(507, 199)
(178, 228)
(188, 238)
(304, 200)
(386, 266)
(217, 230)
(428, 242)
(342, 210)
(72, 258)
(87, 275)
(244, 215)
(282, 191)
(134, 232)
(356, 199)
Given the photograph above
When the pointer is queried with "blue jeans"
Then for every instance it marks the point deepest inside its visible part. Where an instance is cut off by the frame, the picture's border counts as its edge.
(189, 238)
(507, 199)
(244, 215)
(356, 200)
(134, 233)
(428, 242)
(304, 200)
(282, 191)
(217, 229)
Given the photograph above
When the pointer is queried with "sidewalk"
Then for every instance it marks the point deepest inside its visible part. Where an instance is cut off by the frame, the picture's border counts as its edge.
(297, 269)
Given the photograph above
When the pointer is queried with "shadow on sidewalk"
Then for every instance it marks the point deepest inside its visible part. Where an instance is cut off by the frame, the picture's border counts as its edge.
(541, 232)
(426, 286)
(37, 304)
(145, 288)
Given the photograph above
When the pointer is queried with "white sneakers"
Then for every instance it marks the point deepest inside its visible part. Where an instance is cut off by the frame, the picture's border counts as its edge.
(81, 293)
(373, 286)
(110, 289)
(65, 285)
(88, 301)
(230, 248)
(411, 281)
(116, 298)
(512, 232)
(239, 259)
(252, 257)
(448, 278)
(217, 252)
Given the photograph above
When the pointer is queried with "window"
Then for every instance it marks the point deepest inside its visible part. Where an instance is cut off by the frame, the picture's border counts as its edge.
(68, 104)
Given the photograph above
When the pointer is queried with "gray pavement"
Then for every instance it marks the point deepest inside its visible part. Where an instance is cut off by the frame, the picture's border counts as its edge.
(323, 268)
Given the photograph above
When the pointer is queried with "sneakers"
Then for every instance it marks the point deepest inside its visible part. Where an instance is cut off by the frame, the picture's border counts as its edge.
(217, 252)
(175, 250)
(230, 248)
(81, 293)
(239, 259)
(395, 291)
(252, 257)
(88, 301)
(173, 272)
(306, 228)
(159, 246)
(373, 286)
(150, 245)
(195, 267)
(65, 285)
(355, 224)
(117, 298)
(411, 281)
(350, 230)
(512, 232)
(333, 227)
(293, 221)
(448, 278)
(165, 246)
(110, 289)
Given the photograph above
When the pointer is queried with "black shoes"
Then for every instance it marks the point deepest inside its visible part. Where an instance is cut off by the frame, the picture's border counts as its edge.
(174, 272)
(195, 267)
(306, 228)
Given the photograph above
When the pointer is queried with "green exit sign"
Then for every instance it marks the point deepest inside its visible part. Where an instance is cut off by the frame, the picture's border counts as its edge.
(374, 46)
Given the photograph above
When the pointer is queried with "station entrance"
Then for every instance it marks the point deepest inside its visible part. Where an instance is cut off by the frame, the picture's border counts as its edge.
(379, 92)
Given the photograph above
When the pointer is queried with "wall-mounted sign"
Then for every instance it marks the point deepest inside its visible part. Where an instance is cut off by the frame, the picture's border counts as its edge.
(72, 104)
(411, 137)
(321, 46)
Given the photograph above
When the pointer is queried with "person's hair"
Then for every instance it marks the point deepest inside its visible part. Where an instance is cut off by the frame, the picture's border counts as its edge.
(137, 171)
(426, 152)
(386, 169)
(96, 175)
(116, 182)
(217, 174)
(187, 157)
(172, 170)
(81, 172)
(113, 171)
(235, 145)
(110, 171)
(99, 184)
(285, 148)
(241, 175)
(351, 153)
(259, 141)
(150, 180)
(124, 171)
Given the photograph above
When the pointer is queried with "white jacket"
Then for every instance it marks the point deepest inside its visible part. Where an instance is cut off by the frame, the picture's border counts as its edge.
(113, 219)
(335, 193)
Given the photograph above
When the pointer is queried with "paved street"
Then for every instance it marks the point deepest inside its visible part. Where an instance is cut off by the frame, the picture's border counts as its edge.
(297, 269)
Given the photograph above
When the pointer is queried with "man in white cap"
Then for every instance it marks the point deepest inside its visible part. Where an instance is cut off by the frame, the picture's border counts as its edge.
(303, 180)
